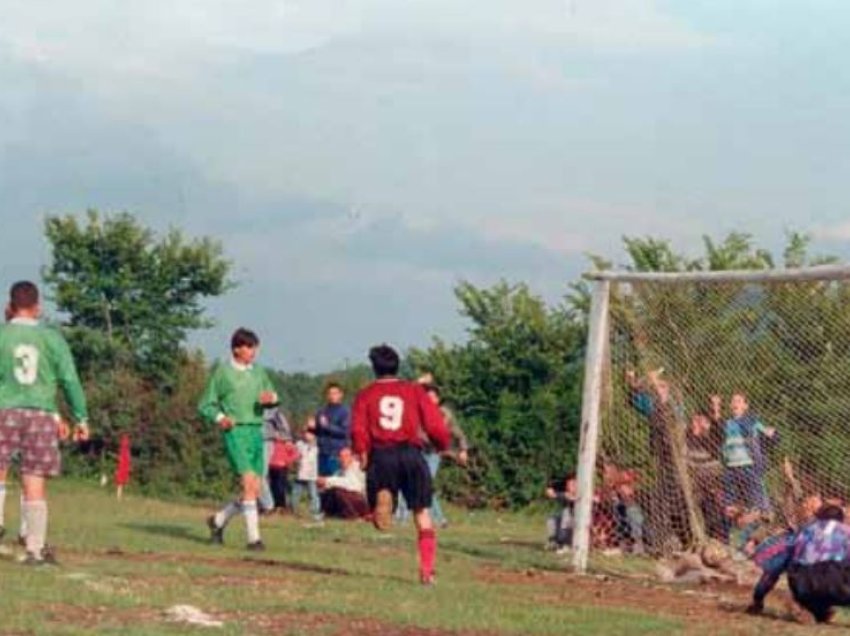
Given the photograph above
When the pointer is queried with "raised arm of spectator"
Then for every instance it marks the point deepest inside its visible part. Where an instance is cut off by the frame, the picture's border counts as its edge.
(433, 422)
(639, 398)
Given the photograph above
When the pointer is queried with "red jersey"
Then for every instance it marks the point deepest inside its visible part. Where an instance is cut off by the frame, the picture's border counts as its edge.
(391, 412)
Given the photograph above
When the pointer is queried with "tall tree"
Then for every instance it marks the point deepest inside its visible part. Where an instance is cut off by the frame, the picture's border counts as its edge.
(129, 293)
(514, 385)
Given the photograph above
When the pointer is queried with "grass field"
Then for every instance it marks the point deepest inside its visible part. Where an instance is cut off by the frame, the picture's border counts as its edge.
(123, 564)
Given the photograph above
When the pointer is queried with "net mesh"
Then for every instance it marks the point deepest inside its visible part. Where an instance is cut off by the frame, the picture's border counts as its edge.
(725, 411)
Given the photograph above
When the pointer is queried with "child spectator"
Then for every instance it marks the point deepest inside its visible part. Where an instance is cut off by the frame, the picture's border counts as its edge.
(743, 457)
(344, 494)
(628, 513)
(560, 525)
(307, 474)
(122, 470)
(236, 395)
(702, 451)
(276, 433)
(284, 454)
(333, 429)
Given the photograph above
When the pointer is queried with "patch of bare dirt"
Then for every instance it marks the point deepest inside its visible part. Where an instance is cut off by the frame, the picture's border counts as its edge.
(337, 625)
(707, 609)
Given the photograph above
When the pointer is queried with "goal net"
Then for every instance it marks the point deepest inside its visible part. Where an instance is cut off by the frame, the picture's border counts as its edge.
(722, 402)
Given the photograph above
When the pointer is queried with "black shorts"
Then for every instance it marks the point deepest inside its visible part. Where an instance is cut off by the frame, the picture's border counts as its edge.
(399, 469)
(820, 586)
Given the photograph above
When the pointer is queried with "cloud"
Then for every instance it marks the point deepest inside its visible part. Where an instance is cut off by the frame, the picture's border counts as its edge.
(162, 39)
(834, 233)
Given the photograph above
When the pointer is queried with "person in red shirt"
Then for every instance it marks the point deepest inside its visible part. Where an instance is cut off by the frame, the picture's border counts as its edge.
(122, 470)
(388, 416)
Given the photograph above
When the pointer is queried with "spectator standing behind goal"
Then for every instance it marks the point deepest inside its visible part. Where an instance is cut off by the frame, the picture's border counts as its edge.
(333, 429)
(653, 398)
(743, 457)
(703, 440)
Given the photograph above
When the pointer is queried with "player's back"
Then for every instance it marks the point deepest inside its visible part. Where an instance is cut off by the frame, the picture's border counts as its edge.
(30, 360)
(389, 412)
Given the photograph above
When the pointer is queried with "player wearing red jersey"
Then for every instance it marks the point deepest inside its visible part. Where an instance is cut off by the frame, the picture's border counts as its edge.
(388, 416)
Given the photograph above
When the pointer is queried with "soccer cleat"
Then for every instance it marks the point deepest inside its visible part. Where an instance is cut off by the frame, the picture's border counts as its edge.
(383, 514)
(2, 532)
(216, 533)
(256, 546)
(428, 580)
(31, 560)
(48, 555)
(22, 541)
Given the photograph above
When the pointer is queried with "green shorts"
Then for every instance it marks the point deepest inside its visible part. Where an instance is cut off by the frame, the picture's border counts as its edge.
(244, 446)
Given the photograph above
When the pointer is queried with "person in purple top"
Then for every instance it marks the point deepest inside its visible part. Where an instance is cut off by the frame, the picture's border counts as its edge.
(817, 561)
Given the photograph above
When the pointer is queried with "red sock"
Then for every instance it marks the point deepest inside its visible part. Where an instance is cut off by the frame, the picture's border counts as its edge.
(427, 552)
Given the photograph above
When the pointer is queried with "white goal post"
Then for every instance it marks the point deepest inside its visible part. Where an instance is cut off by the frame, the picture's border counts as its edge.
(778, 339)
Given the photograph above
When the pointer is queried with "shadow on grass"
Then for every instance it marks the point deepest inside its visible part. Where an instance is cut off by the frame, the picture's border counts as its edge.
(299, 567)
(168, 530)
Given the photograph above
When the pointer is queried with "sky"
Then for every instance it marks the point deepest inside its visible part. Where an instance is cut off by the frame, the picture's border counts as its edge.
(358, 158)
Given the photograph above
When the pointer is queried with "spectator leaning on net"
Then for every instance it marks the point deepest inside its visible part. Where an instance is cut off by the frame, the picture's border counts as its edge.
(654, 400)
(743, 457)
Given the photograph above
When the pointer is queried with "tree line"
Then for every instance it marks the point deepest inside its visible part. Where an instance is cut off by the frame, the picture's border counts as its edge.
(128, 298)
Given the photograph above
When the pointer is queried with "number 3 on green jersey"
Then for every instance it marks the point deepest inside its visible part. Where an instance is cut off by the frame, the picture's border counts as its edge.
(26, 364)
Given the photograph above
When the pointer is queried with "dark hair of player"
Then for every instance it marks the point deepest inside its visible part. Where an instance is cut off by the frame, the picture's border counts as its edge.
(333, 385)
(23, 295)
(244, 338)
(831, 513)
(384, 360)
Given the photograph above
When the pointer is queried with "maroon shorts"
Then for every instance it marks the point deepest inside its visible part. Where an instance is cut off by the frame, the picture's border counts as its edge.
(34, 435)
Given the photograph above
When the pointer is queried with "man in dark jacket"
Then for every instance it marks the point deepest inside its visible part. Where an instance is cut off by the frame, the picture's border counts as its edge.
(333, 430)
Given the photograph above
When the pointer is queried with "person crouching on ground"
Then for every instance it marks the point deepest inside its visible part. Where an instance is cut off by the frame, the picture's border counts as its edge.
(344, 493)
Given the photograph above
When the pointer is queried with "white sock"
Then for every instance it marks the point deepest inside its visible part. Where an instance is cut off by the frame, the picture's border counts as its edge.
(252, 520)
(22, 531)
(2, 503)
(223, 516)
(36, 514)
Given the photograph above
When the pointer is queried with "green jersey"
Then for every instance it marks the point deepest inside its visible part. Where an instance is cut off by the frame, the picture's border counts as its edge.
(33, 361)
(233, 391)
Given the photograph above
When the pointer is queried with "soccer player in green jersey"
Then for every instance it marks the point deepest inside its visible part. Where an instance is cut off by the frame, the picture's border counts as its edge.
(236, 395)
(34, 360)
